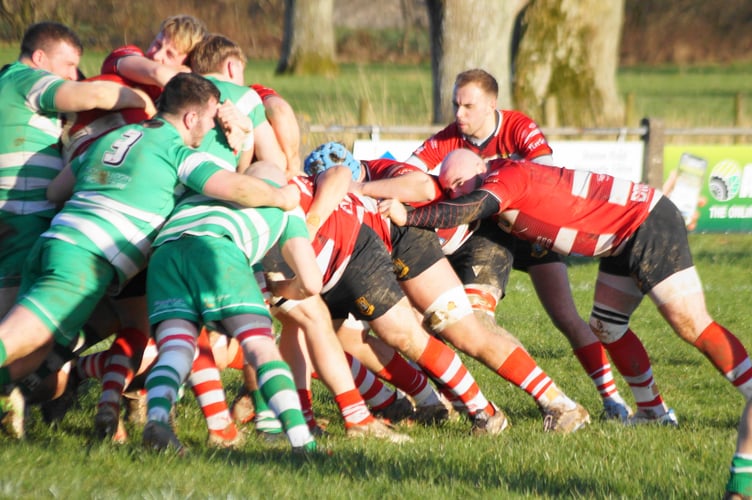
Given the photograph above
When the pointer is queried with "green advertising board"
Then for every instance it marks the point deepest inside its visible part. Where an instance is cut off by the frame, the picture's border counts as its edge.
(716, 181)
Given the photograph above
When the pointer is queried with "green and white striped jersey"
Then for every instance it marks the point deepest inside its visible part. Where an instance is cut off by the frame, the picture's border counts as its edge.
(30, 129)
(253, 230)
(249, 103)
(127, 183)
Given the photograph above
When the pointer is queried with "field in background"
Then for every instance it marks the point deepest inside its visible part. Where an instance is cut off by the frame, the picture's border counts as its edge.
(603, 460)
(395, 94)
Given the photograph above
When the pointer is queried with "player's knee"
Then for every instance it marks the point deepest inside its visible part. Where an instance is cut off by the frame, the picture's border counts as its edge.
(449, 308)
(606, 329)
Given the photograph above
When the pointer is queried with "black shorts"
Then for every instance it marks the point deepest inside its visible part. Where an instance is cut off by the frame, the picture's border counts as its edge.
(367, 288)
(414, 250)
(658, 249)
(482, 260)
(527, 254)
(136, 287)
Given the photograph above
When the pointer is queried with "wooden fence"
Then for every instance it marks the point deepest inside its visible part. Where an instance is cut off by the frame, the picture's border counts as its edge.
(651, 131)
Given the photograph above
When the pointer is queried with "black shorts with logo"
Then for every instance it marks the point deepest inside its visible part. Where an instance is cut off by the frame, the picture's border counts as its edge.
(414, 250)
(367, 288)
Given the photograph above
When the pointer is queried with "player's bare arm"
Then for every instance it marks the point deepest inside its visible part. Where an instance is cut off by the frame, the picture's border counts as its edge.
(300, 256)
(412, 187)
(82, 96)
(143, 70)
(250, 191)
(331, 187)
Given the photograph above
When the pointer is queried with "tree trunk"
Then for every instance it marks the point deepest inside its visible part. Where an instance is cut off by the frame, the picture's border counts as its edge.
(569, 50)
(465, 35)
(308, 45)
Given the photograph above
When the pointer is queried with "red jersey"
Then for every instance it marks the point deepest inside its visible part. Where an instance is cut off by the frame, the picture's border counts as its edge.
(110, 67)
(450, 238)
(82, 128)
(516, 136)
(335, 240)
(263, 92)
(570, 211)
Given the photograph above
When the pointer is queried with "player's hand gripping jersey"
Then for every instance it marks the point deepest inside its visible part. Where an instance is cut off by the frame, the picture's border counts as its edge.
(451, 238)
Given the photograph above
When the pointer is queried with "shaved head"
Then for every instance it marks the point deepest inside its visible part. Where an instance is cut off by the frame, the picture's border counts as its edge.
(461, 172)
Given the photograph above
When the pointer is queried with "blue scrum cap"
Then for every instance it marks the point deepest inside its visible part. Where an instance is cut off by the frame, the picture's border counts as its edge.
(329, 155)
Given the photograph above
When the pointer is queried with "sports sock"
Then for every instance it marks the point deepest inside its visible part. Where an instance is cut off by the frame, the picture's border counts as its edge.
(176, 351)
(238, 361)
(522, 370)
(206, 384)
(632, 361)
(594, 360)
(353, 408)
(306, 403)
(376, 394)
(728, 355)
(741, 475)
(124, 356)
(443, 364)
(411, 380)
(277, 387)
(265, 420)
(91, 365)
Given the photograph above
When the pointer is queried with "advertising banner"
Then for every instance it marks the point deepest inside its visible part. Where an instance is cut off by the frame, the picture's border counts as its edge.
(617, 158)
(711, 183)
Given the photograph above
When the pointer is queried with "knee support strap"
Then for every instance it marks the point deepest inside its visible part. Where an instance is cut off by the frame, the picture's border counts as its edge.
(449, 308)
(483, 298)
(607, 324)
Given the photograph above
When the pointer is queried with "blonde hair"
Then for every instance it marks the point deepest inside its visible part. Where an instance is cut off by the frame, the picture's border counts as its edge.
(212, 52)
(184, 31)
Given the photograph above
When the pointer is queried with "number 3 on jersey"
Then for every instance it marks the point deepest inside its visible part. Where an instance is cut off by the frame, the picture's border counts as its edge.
(119, 149)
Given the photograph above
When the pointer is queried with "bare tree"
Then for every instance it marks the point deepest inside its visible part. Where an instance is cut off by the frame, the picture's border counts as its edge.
(470, 34)
(308, 45)
(19, 14)
(569, 51)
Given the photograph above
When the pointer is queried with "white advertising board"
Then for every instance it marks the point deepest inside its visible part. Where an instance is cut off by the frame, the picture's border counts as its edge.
(618, 158)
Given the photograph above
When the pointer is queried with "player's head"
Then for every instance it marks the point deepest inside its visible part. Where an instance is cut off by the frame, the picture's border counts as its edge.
(267, 171)
(190, 101)
(177, 36)
(474, 99)
(218, 54)
(329, 155)
(53, 47)
(461, 173)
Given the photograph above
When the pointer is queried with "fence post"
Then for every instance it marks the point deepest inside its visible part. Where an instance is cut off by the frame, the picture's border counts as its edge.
(652, 163)
(629, 108)
(740, 120)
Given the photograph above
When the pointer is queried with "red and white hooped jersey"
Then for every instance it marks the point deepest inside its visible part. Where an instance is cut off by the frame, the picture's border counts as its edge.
(335, 240)
(110, 67)
(450, 238)
(83, 128)
(574, 212)
(516, 136)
